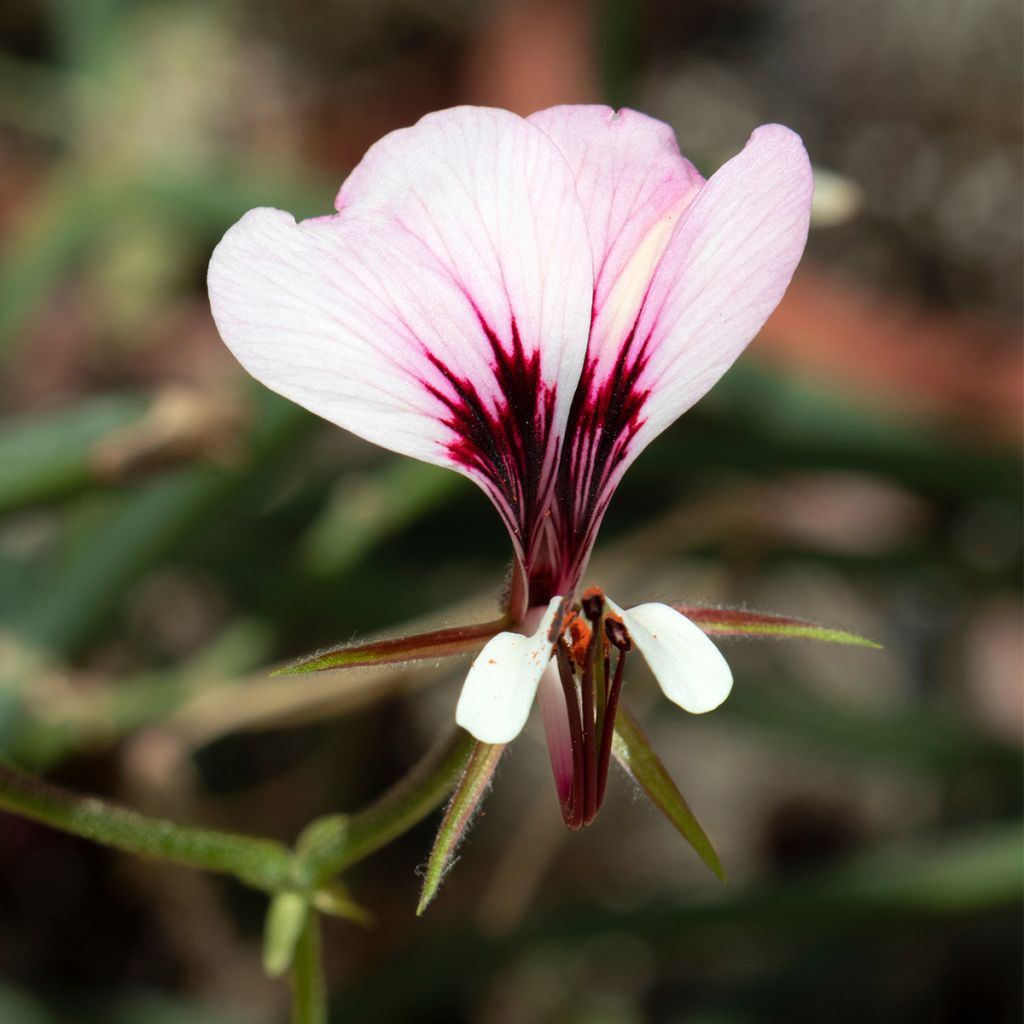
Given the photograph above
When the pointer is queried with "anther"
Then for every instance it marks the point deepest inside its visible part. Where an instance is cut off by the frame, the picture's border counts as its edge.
(592, 603)
(579, 640)
(615, 630)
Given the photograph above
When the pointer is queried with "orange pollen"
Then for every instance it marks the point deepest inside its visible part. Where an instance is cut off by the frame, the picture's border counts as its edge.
(579, 640)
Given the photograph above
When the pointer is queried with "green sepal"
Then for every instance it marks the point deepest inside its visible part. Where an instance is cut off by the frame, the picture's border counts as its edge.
(469, 793)
(633, 751)
(737, 622)
(440, 643)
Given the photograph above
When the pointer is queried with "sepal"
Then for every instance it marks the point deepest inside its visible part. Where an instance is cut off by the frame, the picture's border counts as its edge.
(458, 816)
(439, 643)
(633, 751)
(737, 622)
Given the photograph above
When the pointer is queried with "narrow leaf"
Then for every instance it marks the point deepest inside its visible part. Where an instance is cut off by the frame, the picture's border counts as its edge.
(441, 643)
(736, 622)
(633, 751)
(469, 793)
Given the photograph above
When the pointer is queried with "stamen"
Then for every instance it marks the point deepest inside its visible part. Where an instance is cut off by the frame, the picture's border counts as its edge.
(617, 637)
(593, 608)
(572, 807)
(592, 706)
(579, 636)
(589, 738)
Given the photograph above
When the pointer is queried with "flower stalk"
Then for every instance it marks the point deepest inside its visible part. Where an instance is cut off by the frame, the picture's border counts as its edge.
(309, 988)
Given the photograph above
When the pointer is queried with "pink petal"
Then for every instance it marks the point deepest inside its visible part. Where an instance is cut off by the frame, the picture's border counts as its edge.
(724, 269)
(633, 184)
(443, 314)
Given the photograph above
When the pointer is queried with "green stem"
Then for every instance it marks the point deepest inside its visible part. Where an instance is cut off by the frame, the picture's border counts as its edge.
(404, 805)
(309, 992)
(260, 863)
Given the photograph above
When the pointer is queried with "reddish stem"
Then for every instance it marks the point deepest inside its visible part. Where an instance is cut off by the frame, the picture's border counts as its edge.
(589, 737)
(609, 728)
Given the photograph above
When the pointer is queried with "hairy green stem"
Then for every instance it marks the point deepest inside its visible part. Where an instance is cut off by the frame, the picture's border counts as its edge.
(309, 991)
(328, 850)
(260, 863)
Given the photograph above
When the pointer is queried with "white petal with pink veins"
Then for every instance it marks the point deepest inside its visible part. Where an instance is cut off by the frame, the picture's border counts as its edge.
(689, 668)
(493, 197)
(633, 184)
(502, 681)
(443, 314)
(724, 270)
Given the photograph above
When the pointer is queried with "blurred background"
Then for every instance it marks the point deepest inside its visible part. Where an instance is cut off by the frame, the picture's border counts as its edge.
(169, 530)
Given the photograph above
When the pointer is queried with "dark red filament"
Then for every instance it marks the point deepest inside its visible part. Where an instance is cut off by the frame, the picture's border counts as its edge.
(591, 707)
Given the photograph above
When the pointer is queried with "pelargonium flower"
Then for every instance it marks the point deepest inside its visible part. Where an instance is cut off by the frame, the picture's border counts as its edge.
(530, 302)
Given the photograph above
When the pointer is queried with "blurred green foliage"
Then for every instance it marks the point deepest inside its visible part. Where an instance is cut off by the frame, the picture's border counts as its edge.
(140, 610)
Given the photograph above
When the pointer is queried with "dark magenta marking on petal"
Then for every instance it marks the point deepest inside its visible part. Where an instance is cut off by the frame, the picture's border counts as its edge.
(603, 421)
(553, 512)
(508, 445)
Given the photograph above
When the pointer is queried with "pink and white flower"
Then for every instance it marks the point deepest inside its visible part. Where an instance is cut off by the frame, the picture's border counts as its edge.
(529, 302)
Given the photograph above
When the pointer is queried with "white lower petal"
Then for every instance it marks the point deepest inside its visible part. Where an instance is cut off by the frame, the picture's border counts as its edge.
(503, 679)
(688, 666)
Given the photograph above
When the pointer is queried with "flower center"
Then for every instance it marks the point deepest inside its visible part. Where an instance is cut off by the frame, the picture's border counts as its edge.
(591, 686)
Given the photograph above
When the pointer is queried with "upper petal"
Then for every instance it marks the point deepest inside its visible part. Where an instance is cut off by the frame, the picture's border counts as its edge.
(680, 312)
(633, 183)
(688, 666)
(503, 679)
(443, 313)
(729, 261)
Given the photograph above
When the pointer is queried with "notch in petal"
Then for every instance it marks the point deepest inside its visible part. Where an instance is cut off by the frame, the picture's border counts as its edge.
(503, 679)
(633, 184)
(689, 668)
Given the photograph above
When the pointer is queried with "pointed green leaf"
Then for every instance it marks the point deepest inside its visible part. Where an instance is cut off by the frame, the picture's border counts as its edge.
(472, 788)
(633, 751)
(737, 622)
(440, 643)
